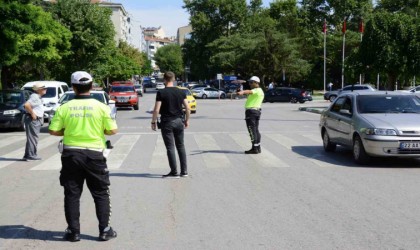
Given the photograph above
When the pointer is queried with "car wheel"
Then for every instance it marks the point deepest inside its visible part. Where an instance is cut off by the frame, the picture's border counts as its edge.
(136, 107)
(293, 100)
(301, 101)
(204, 96)
(332, 98)
(326, 142)
(222, 96)
(359, 154)
(193, 111)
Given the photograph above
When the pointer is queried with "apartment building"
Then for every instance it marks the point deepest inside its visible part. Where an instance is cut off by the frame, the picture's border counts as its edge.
(121, 21)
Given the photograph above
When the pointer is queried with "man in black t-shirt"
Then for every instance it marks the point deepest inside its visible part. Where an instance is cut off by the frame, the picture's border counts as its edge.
(169, 102)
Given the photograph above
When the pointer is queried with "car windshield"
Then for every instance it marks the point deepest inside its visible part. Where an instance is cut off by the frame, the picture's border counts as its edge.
(186, 91)
(70, 96)
(10, 99)
(388, 104)
(122, 89)
(51, 92)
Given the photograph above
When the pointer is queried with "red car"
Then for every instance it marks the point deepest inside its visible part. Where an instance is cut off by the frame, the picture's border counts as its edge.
(124, 94)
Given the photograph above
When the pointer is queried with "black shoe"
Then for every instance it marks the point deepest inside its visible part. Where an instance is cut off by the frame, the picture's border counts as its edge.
(259, 149)
(70, 236)
(253, 151)
(107, 234)
(184, 175)
(170, 175)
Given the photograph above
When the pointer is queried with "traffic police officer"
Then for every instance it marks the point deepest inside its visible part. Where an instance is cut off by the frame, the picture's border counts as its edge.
(84, 122)
(253, 113)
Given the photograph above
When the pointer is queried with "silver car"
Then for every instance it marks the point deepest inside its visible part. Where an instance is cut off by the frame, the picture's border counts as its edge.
(208, 92)
(99, 95)
(373, 124)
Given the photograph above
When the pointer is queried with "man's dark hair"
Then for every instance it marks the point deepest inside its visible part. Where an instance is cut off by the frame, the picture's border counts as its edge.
(169, 76)
(82, 88)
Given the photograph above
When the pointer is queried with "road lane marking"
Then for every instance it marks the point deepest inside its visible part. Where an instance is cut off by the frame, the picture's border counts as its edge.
(159, 158)
(11, 139)
(265, 159)
(211, 153)
(121, 150)
(12, 157)
(51, 163)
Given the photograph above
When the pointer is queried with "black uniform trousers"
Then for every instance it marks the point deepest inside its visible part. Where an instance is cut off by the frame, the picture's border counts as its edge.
(79, 165)
(173, 136)
(252, 119)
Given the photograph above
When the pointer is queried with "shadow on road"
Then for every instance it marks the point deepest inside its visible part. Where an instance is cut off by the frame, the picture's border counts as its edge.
(141, 175)
(24, 232)
(199, 152)
(343, 157)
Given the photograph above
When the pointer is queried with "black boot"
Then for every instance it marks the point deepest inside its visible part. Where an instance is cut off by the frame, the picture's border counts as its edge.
(259, 149)
(253, 150)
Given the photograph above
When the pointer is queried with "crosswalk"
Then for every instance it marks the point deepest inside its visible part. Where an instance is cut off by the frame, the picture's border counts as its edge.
(212, 150)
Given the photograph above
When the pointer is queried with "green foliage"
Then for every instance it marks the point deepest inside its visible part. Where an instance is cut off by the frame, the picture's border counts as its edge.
(169, 58)
(29, 40)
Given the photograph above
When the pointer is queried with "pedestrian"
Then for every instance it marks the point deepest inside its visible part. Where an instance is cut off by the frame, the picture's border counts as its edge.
(271, 85)
(169, 104)
(34, 118)
(330, 85)
(84, 122)
(253, 113)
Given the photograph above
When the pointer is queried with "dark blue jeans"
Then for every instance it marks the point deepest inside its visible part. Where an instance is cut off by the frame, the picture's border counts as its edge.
(173, 136)
(252, 118)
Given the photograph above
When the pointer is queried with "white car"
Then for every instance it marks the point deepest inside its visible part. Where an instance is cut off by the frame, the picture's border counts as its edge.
(208, 92)
(99, 95)
(160, 85)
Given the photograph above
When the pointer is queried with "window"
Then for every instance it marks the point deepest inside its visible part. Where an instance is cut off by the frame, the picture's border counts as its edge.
(338, 104)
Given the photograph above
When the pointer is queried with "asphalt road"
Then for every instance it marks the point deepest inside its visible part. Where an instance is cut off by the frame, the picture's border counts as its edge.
(292, 196)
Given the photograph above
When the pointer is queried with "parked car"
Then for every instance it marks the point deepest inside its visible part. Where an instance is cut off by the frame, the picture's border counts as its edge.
(124, 95)
(160, 85)
(191, 100)
(199, 86)
(285, 94)
(55, 90)
(208, 92)
(99, 95)
(331, 95)
(413, 90)
(373, 124)
(12, 111)
(139, 89)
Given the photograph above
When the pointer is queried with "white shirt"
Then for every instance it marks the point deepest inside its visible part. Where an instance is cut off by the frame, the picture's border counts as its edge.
(36, 104)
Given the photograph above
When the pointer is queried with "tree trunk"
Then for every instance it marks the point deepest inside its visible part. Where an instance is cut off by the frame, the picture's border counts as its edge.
(392, 78)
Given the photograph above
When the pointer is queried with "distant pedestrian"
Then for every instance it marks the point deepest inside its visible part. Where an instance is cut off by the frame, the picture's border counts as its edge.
(169, 104)
(253, 113)
(330, 85)
(271, 85)
(84, 122)
(34, 118)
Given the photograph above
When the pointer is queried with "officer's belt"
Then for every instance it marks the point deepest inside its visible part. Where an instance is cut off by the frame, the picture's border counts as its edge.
(253, 108)
(84, 148)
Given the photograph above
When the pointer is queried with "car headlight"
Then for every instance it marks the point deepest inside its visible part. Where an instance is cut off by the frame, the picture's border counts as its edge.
(12, 112)
(133, 96)
(380, 131)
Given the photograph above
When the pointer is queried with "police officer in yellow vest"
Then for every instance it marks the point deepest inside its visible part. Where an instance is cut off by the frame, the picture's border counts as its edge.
(253, 113)
(84, 122)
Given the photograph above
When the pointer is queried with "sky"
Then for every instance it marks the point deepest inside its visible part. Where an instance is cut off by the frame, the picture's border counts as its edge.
(154, 13)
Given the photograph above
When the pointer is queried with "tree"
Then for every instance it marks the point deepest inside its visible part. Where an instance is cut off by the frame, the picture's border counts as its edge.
(29, 37)
(388, 44)
(93, 42)
(169, 58)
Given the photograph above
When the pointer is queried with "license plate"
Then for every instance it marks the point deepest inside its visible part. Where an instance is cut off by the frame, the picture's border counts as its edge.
(410, 145)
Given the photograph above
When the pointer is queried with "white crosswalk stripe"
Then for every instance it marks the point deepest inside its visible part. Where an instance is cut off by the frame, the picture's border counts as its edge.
(265, 159)
(211, 148)
(211, 152)
(121, 150)
(5, 160)
(159, 158)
